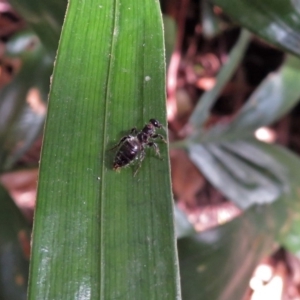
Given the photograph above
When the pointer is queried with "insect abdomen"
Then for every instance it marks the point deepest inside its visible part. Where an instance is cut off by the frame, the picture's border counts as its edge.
(126, 154)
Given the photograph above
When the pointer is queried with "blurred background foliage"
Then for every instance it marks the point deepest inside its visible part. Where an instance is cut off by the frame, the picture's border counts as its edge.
(233, 73)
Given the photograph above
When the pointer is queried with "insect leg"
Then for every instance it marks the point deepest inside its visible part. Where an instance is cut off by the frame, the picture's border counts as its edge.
(141, 158)
(155, 136)
(134, 130)
(122, 140)
(151, 144)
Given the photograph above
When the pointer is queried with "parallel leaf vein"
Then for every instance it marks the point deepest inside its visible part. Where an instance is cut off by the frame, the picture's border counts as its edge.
(102, 182)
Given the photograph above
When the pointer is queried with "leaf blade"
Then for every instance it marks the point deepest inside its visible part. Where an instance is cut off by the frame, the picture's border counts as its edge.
(113, 220)
(276, 21)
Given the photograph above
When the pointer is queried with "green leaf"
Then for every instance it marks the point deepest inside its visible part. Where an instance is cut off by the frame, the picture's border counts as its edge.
(14, 250)
(208, 99)
(277, 21)
(45, 18)
(288, 235)
(19, 124)
(253, 173)
(218, 263)
(210, 22)
(274, 97)
(107, 235)
(242, 171)
(183, 227)
(240, 244)
(169, 36)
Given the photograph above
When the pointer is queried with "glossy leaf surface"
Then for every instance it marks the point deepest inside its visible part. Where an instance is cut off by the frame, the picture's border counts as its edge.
(235, 248)
(274, 97)
(242, 171)
(107, 235)
(277, 21)
(218, 263)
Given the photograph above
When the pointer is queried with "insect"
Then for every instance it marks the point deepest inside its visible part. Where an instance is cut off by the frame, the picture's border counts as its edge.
(132, 147)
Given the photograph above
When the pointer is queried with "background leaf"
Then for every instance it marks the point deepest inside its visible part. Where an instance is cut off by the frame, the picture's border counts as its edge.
(169, 36)
(208, 99)
(242, 171)
(274, 97)
(21, 116)
(45, 18)
(218, 263)
(276, 21)
(276, 171)
(14, 250)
